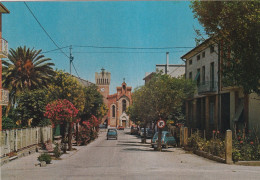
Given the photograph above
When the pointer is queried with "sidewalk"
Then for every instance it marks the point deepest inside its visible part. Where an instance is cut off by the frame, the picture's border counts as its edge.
(31, 161)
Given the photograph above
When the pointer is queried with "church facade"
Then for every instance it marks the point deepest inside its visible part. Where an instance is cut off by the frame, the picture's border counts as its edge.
(117, 103)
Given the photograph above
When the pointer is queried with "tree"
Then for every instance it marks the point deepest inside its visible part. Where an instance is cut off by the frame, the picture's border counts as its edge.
(62, 112)
(94, 104)
(25, 69)
(31, 108)
(64, 86)
(162, 97)
(236, 25)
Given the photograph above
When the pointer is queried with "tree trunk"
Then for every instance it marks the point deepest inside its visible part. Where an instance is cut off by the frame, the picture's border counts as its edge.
(77, 133)
(159, 148)
(145, 134)
(63, 134)
(70, 136)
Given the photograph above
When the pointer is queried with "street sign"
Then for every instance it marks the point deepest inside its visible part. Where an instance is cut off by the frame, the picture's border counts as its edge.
(161, 123)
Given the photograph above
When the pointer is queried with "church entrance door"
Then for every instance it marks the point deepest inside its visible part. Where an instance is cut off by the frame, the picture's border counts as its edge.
(124, 123)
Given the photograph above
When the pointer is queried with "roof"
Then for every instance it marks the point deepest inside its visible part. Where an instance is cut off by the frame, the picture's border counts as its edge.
(149, 75)
(197, 49)
(3, 9)
(84, 82)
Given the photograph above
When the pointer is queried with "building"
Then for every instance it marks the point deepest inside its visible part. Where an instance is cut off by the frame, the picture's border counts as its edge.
(4, 95)
(83, 82)
(117, 103)
(215, 106)
(174, 70)
(103, 82)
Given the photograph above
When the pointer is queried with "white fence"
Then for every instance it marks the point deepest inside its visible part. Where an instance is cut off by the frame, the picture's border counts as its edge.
(16, 139)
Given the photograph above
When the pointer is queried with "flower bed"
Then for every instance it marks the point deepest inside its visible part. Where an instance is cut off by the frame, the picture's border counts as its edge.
(246, 147)
(215, 146)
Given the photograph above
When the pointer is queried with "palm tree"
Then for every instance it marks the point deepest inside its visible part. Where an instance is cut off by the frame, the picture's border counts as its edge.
(26, 69)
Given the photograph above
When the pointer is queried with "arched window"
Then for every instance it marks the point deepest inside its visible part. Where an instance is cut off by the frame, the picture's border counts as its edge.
(113, 111)
(124, 106)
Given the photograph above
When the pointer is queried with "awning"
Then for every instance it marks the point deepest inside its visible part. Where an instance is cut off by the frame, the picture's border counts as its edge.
(239, 111)
(197, 76)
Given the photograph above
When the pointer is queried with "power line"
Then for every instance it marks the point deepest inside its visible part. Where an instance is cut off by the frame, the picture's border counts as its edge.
(54, 49)
(121, 47)
(51, 39)
(116, 52)
(77, 72)
(44, 29)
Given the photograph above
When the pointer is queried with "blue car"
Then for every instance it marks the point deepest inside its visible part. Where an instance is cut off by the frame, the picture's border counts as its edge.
(166, 141)
(111, 133)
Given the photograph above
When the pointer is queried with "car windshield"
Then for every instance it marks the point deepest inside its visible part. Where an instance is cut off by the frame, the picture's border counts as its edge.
(111, 130)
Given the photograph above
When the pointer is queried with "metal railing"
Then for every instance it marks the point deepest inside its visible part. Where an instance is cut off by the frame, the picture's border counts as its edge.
(207, 86)
(4, 97)
(3, 48)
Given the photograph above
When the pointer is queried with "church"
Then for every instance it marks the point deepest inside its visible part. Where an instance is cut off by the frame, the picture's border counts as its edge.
(117, 103)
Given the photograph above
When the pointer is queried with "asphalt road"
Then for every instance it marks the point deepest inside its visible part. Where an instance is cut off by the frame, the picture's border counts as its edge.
(125, 158)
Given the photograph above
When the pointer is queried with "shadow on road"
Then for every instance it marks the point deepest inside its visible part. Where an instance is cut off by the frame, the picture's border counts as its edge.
(144, 150)
(139, 145)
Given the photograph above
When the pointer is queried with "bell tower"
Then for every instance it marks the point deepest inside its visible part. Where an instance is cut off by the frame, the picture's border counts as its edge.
(103, 81)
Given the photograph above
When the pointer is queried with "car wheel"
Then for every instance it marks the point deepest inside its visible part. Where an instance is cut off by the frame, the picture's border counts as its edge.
(116, 138)
(152, 146)
(107, 138)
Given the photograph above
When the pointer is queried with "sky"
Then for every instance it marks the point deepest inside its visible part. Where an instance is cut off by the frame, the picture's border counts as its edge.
(146, 24)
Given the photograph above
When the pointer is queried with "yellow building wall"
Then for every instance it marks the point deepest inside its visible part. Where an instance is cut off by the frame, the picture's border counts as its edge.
(254, 113)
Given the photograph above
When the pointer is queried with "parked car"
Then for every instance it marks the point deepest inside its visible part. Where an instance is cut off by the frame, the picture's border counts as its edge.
(111, 133)
(149, 132)
(134, 130)
(120, 128)
(102, 126)
(166, 141)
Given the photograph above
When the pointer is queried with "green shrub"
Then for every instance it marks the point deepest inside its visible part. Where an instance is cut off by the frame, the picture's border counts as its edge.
(8, 123)
(45, 157)
(57, 151)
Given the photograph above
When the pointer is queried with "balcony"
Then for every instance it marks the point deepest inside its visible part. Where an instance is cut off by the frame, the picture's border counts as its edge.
(207, 87)
(4, 97)
(3, 48)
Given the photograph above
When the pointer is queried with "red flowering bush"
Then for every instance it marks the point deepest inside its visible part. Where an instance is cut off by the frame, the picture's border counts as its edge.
(61, 110)
(246, 147)
(88, 130)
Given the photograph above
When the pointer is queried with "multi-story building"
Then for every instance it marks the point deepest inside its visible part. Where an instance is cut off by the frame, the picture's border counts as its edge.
(214, 106)
(117, 103)
(3, 54)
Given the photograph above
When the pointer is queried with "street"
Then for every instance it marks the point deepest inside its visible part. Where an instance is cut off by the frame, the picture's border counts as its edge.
(125, 158)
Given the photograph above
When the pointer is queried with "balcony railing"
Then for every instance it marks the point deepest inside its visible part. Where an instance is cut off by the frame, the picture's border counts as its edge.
(3, 48)
(4, 97)
(207, 86)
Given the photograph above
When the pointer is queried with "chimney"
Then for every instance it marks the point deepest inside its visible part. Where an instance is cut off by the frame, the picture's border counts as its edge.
(167, 63)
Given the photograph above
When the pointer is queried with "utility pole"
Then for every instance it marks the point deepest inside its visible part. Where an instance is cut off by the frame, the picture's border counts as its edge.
(71, 57)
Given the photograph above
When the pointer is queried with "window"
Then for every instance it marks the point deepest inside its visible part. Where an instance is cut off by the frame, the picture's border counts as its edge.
(203, 54)
(211, 49)
(190, 75)
(197, 78)
(198, 57)
(190, 61)
(212, 75)
(113, 111)
(124, 106)
(203, 74)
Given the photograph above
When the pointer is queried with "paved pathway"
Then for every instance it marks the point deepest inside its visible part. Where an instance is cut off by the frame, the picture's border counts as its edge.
(126, 158)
